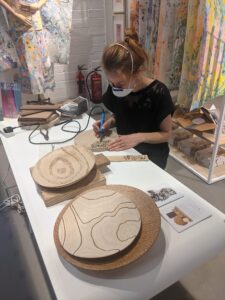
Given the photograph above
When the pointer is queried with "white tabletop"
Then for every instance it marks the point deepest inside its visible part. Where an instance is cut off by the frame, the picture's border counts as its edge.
(173, 255)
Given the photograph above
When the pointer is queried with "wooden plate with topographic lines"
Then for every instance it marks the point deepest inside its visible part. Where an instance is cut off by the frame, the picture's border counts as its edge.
(93, 143)
(63, 167)
(99, 223)
(142, 241)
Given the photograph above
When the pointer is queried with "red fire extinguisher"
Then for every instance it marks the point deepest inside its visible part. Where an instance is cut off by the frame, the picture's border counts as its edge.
(81, 81)
(96, 86)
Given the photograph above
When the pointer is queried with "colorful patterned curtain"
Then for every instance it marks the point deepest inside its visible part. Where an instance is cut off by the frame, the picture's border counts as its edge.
(203, 69)
(8, 55)
(36, 49)
(185, 43)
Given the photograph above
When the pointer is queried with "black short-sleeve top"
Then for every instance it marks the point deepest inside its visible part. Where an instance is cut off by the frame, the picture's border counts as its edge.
(142, 111)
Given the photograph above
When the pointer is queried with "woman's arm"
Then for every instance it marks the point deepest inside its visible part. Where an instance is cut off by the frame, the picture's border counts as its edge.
(125, 142)
(157, 137)
(21, 17)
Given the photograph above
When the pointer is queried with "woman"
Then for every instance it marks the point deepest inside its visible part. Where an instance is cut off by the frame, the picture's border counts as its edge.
(141, 107)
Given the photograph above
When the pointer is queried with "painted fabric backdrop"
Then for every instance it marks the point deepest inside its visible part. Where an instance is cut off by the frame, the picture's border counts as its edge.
(203, 69)
(47, 42)
(36, 69)
(185, 43)
(57, 21)
(8, 55)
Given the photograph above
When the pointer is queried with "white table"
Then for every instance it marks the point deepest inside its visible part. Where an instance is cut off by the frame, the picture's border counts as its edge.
(172, 257)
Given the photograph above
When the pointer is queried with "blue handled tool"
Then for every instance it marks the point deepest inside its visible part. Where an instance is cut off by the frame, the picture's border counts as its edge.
(101, 129)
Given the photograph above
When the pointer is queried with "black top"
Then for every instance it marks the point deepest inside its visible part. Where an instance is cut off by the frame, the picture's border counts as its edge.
(142, 111)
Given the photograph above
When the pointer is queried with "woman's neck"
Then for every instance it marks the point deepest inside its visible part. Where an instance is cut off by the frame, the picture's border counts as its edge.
(141, 82)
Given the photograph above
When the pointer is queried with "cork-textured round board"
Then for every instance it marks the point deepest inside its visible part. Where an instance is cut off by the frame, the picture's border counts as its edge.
(144, 236)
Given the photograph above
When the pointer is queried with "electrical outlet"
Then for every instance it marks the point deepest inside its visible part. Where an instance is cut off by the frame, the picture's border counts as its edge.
(9, 134)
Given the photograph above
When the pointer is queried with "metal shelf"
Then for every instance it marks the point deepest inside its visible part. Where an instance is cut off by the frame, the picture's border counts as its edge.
(194, 167)
(213, 173)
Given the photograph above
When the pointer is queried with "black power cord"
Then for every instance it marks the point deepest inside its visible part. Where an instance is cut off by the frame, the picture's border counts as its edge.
(10, 129)
(64, 123)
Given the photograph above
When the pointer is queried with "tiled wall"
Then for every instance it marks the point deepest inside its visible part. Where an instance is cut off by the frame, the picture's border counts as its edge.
(90, 33)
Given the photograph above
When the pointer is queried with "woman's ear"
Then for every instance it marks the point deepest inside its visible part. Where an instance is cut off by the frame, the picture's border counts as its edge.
(138, 72)
(141, 69)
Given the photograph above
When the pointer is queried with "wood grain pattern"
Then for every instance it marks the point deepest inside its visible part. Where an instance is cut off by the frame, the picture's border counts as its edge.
(101, 160)
(63, 167)
(126, 158)
(99, 223)
(54, 196)
(149, 231)
(39, 117)
(41, 106)
(89, 140)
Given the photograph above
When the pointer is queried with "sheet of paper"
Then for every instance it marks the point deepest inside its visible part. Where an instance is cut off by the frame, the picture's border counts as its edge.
(184, 213)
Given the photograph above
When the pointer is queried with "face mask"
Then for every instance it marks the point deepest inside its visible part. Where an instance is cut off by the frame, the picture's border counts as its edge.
(120, 92)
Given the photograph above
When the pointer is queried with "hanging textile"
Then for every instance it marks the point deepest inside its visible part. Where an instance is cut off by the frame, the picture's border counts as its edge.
(203, 70)
(134, 14)
(161, 28)
(180, 23)
(36, 69)
(152, 33)
(185, 44)
(11, 99)
(8, 56)
(142, 20)
(57, 19)
(170, 42)
(164, 41)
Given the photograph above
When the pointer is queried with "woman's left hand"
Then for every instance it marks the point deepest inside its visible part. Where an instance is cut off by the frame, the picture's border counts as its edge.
(124, 142)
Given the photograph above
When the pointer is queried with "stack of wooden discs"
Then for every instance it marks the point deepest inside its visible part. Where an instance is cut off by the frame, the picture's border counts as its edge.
(107, 227)
(64, 173)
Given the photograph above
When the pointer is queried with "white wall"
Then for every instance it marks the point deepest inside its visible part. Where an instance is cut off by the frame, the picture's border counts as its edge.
(91, 31)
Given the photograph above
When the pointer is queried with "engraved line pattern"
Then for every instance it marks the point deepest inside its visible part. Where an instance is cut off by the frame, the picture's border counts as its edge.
(79, 231)
(112, 216)
(64, 232)
(106, 212)
(102, 235)
(133, 236)
(100, 197)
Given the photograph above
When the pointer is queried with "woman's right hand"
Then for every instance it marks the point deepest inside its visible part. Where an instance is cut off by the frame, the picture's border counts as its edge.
(107, 125)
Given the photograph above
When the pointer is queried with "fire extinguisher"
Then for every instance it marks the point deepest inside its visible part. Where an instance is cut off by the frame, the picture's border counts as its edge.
(96, 86)
(81, 81)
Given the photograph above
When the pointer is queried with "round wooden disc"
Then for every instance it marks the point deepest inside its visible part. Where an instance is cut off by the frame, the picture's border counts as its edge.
(88, 139)
(98, 224)
(150, 227)
(63, 167)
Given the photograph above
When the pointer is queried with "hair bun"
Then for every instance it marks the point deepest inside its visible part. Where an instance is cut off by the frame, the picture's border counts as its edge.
(131, 34)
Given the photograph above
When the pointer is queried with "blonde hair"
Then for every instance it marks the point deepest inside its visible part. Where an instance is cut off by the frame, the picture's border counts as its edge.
(116, 57)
